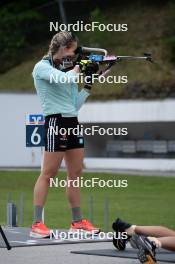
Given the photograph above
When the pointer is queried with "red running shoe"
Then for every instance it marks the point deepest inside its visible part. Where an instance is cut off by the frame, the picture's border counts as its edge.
(84, 226)
(39, 230)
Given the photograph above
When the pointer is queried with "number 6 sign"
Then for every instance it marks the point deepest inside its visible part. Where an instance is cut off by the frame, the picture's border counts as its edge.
(34, 130)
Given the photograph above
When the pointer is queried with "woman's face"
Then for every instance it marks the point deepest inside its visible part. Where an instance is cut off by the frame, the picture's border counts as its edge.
(65, 52)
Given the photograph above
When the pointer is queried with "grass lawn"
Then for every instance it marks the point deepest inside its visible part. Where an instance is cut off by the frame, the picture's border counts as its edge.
(146, 200)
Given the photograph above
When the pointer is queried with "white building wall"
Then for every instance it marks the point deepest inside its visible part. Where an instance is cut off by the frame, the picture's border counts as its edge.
(13, 108)
(129, 111)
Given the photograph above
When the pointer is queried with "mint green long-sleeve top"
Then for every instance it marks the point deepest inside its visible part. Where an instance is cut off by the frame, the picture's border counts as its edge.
(57, 97)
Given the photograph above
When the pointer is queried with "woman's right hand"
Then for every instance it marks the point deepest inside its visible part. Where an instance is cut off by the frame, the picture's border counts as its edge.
(77, 68)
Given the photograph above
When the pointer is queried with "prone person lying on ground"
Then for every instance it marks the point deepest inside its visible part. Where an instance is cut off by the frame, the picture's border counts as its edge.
(145, 238)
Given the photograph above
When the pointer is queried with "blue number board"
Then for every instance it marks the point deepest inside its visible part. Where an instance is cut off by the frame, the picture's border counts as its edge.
(34, 130)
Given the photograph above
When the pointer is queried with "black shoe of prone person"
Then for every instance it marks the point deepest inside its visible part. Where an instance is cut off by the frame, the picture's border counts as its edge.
(146, 249)
(119, 226)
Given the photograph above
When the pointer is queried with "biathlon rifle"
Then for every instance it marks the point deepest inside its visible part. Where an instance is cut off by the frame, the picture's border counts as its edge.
(99, 56)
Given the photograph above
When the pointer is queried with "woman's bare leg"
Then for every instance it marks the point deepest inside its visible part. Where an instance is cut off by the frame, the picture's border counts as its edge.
(74, 163)
(155, 231)
(51, 164)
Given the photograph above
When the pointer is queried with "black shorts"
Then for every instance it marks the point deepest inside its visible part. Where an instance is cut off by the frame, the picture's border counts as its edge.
(59, 135)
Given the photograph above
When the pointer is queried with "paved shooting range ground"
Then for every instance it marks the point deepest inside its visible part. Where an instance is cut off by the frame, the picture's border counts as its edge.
(61, 254)
(150, 204)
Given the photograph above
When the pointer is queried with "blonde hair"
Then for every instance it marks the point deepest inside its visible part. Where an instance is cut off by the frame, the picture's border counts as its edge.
(61, 39)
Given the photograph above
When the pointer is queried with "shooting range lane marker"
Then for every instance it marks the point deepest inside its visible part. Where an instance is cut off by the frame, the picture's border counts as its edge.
(28, 242)
(32, 241)
(23, 239)
(15, 232)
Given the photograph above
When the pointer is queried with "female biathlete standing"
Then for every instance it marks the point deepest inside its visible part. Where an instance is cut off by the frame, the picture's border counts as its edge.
(60, 103)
